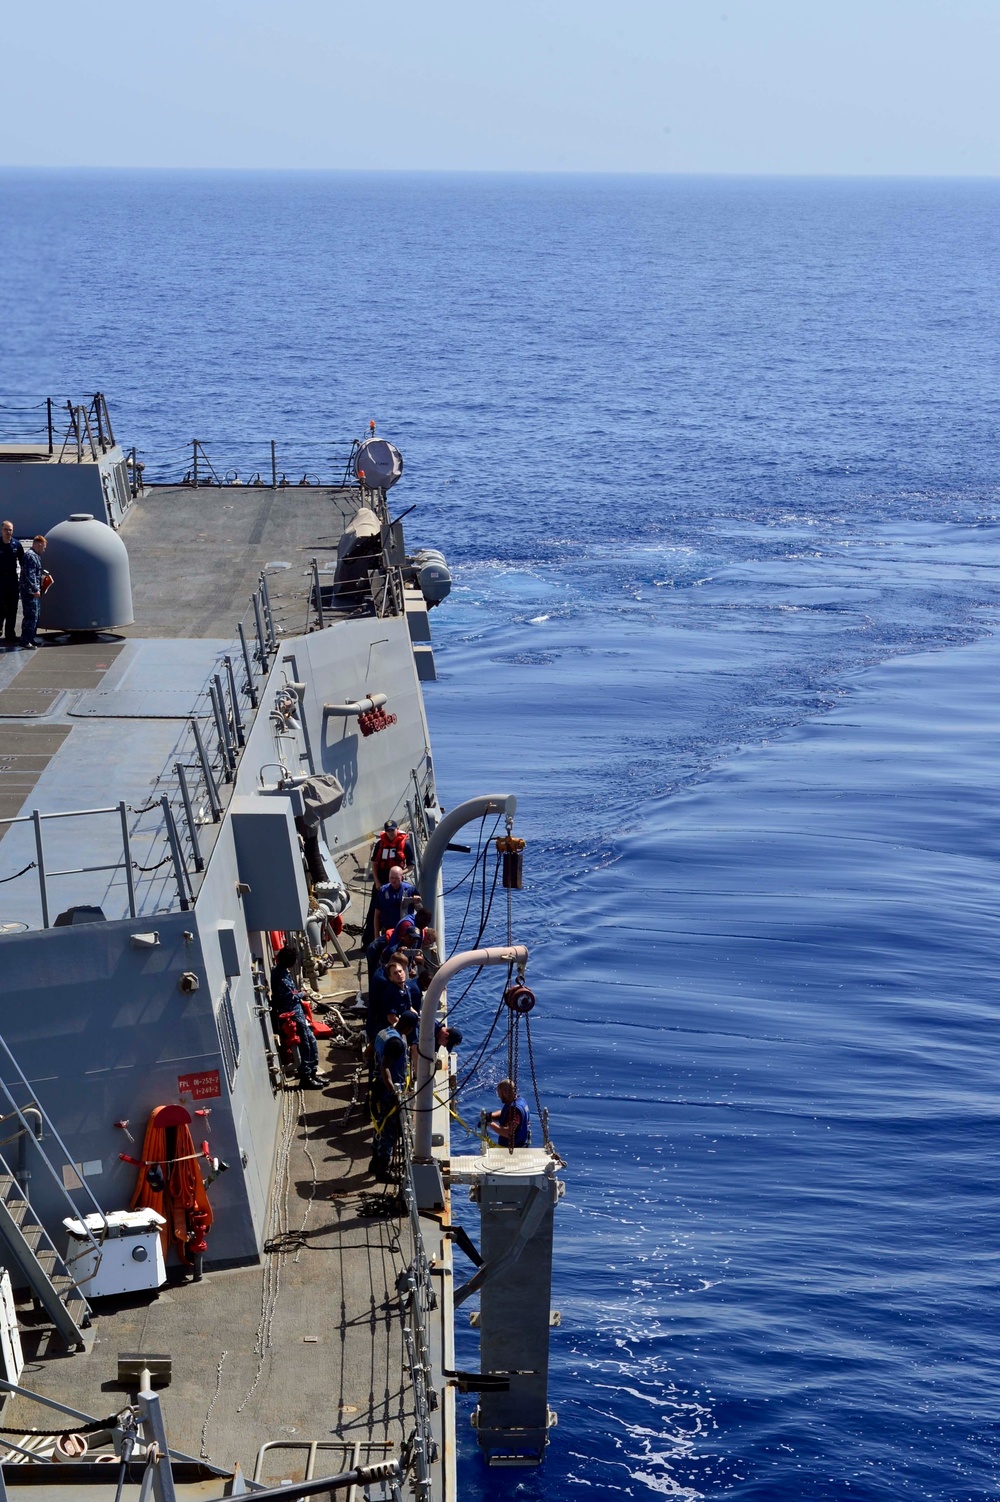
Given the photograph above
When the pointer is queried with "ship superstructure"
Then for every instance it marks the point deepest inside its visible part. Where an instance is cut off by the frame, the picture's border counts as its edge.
(178, 791)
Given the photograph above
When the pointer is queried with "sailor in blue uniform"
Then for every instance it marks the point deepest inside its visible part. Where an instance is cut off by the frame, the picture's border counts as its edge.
(287, 997)
(11, 556)
(512, 1123)
(32, 570)
(392, 901)
(391, 1050)
(391, 989)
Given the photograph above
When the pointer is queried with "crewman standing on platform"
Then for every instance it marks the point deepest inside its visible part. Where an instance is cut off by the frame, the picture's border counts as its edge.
(11, 558)
(33, 578)
(394, 847)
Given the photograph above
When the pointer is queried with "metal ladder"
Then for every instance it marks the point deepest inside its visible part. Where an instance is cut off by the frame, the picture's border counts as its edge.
(26, 1248)
(27, 1252)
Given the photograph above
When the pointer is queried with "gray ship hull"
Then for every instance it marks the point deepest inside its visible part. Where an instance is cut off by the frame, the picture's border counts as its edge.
(160, 783)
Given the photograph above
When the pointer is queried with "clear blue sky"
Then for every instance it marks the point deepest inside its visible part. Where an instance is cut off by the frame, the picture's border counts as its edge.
(758, 86)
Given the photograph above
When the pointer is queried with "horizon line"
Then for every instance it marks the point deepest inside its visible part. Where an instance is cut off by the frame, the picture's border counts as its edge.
(608, 172)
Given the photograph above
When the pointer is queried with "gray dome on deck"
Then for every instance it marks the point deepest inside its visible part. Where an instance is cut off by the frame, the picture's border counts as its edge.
(92, 586)
(379, 462)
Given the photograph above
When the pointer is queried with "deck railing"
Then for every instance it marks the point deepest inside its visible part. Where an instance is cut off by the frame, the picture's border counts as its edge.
(36, 1127)
(160, 850)
(138, 1435)
(275, 463)
(78, 428)
(164, 845)
(200, 775)
(420, 1300)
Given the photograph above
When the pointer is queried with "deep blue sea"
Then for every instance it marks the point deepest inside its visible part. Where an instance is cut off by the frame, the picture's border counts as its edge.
(717, 467)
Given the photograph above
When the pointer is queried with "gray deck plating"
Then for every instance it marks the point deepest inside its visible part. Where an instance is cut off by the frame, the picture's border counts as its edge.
(196, 555)
(324, 1305)
(25, 752)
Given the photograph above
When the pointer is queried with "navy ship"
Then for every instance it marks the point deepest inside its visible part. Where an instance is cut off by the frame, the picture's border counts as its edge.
(204, 1290)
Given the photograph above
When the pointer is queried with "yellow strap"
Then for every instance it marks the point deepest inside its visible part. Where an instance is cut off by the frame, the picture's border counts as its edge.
(472, 1131)
(380, 1125)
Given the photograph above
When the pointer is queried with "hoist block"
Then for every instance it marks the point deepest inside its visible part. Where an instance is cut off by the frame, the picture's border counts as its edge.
(511, 852)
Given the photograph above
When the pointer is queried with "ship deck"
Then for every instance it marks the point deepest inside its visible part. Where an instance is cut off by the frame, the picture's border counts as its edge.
(306, 1348)
(121, 699)
(196, 555)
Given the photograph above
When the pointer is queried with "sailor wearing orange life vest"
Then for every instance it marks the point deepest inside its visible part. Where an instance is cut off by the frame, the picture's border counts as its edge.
(392, 848)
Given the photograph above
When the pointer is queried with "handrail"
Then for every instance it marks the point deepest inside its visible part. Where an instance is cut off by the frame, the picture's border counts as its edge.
(27, 418)
(272, 466)
(90, 1420)
(201, 768)
(65, 813)
(45, 875)
(362, 1475)
(50, 1130)
(422, 1298)
(33, 1104)
(204, 759)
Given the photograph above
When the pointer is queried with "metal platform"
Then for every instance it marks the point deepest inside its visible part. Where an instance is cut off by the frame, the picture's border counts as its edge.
(196, 555)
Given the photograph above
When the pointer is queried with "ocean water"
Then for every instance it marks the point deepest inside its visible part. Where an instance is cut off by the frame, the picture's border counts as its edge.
(716, 466)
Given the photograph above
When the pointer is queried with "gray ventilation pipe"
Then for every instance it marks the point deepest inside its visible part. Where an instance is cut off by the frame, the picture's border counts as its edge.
(357, 706)
(423, 1095)
(430, 861)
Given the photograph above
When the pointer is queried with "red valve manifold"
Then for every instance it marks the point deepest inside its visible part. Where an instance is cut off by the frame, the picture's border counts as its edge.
(371, 721)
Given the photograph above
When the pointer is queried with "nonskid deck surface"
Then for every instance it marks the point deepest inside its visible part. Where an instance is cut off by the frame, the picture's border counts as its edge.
(196, 555)
(196, 558)
(84, 724)
(307, 1347)
(31, 683)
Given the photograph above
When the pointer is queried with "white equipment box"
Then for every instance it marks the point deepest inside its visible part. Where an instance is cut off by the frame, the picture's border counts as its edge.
(131, 1257)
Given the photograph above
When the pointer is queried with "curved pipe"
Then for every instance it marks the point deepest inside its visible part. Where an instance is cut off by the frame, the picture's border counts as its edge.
(430, 861)
(358, 706)
(423, 1095)
(32, 1117)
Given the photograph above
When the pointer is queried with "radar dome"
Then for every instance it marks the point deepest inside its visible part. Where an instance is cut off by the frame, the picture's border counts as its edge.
(92, 587)
(377, 464)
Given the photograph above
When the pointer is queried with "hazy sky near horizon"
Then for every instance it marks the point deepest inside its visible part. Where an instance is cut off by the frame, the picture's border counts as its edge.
(730, 86)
